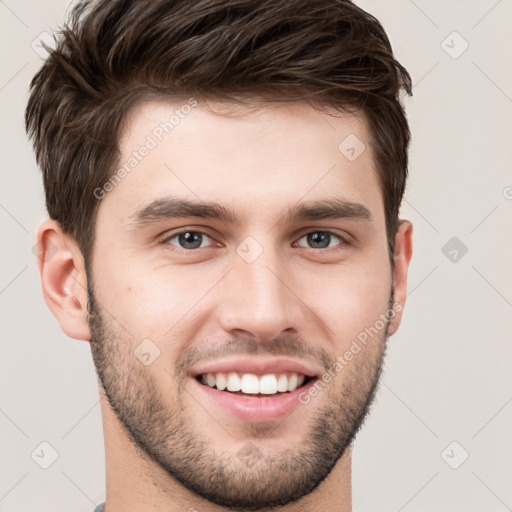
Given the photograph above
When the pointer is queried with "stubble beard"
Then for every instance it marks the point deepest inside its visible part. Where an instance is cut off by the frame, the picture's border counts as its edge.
(163, 430)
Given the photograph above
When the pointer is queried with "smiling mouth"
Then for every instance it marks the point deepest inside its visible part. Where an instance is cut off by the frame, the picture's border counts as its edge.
(255, 386)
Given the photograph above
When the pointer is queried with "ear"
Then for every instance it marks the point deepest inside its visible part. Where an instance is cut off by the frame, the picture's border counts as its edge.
(63, 279)
(402, 257)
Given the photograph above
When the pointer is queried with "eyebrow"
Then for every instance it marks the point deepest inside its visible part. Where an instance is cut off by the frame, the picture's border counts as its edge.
(169, 208)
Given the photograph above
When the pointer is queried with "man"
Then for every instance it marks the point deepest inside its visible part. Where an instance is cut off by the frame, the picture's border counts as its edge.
(223, 180)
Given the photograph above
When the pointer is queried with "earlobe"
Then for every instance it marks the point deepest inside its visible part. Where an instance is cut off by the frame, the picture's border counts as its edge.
(402, 258)
(63, 279)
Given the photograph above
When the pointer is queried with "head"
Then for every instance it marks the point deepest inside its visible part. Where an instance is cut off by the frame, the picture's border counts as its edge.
(224, 181)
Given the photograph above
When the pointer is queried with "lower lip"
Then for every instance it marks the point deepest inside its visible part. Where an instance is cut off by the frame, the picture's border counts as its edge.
(255, 409)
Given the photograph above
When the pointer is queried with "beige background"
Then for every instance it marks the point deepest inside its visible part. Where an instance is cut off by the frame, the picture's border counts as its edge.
(448, 372)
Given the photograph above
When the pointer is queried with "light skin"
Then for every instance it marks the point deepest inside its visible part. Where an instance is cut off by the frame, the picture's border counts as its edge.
(163, 441)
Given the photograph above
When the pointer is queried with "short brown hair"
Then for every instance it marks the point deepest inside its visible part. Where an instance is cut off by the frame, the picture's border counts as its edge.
(113, 53)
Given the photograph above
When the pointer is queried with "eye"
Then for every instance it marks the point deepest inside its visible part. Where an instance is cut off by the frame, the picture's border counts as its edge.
(321, 239)
(191, 240)
(188, 240)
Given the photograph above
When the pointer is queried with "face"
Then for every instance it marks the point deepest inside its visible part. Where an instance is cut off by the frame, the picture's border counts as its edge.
(241, 249)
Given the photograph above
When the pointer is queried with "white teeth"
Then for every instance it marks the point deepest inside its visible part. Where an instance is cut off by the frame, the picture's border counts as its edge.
(221, 381)
(282, 383)
(292, 382)
(234, 383)
(249, 383)
(268, 385)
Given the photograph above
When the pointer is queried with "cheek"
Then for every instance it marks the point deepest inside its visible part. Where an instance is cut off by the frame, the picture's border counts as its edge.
(152, 302)
(349, 300)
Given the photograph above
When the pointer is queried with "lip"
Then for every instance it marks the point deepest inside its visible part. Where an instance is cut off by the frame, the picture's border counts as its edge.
(257, 366)
(253, 408)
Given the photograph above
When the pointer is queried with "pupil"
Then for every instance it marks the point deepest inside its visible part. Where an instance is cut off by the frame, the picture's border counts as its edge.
(190, 240)
(318, 239)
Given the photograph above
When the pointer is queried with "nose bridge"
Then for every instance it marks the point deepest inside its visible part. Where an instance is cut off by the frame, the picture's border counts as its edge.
(258, 297)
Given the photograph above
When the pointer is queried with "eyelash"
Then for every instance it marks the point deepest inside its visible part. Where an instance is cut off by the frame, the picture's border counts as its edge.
(342, 240)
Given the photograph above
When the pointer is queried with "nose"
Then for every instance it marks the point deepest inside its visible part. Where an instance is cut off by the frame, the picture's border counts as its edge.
(258, 299)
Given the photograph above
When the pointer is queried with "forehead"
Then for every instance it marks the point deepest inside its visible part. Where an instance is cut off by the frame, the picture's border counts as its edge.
(257, 160)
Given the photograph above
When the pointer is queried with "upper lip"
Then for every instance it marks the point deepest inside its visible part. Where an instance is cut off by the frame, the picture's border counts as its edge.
(256, 366)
